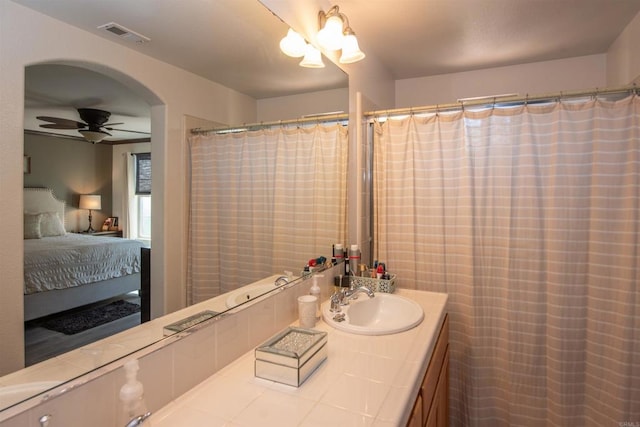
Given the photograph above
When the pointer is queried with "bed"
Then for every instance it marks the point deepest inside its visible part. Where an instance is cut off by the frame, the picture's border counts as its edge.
(67, 270)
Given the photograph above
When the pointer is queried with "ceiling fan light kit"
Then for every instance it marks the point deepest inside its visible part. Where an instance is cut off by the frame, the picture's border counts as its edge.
(93, 136)
(334, 34)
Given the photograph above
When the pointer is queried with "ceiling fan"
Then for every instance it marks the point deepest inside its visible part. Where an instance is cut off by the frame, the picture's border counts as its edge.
(93, 129)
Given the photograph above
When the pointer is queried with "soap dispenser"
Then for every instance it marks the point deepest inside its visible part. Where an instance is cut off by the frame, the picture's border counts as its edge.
(315, 291)
(132, 397)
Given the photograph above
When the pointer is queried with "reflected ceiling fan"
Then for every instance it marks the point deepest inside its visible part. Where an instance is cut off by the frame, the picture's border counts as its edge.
(93, 128)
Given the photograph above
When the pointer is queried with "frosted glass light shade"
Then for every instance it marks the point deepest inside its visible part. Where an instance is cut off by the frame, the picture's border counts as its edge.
(330, 37)
(312, 58)
(293, 44)
(90, 201)
(350, 50)
(93, 135)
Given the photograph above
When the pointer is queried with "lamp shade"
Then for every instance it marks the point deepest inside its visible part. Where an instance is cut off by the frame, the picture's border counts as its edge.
(330, 37)
(350, 50)
(90, 201)
(312, 58)
(293, 44)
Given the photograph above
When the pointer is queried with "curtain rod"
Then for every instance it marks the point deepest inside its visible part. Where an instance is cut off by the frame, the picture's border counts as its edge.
(500, 99)
(319, 118)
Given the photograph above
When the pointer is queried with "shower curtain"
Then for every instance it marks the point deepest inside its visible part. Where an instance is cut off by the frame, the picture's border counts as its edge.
(529, 218)
(262, 202)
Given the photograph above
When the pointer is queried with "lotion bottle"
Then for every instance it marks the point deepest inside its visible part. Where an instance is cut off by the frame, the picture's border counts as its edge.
(315, 291)
(132, 395)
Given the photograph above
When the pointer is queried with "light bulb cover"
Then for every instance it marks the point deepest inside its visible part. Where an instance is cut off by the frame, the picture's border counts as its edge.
(312, 58)
(93, 135)
(350, 50)
(331, 37)
(293, 44)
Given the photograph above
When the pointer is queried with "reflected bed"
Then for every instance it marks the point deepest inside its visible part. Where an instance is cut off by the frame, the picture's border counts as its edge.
(66, 270)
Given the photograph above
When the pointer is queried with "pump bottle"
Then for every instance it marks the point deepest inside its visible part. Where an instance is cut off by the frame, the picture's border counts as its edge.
(132, 395)
(315, 291)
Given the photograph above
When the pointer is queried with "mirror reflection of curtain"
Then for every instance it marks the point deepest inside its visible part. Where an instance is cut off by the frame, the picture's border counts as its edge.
(128, 196)
(263, 202)
(528, 218)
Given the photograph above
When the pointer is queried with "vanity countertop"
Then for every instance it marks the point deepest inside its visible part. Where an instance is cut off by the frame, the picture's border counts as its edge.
(365, 380)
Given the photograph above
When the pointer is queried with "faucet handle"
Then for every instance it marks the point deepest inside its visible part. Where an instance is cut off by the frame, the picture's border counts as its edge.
(137, 421)
(336, 301)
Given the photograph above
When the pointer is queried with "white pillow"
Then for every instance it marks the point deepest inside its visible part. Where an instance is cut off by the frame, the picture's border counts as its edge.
(51, 225)
(32, 226)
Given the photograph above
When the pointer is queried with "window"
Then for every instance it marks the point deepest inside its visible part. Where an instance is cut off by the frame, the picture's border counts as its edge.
(141, 202)
(144, 217)
(143, 174)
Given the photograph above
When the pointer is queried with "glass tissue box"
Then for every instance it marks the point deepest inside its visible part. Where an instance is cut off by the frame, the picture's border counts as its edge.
(291, 356)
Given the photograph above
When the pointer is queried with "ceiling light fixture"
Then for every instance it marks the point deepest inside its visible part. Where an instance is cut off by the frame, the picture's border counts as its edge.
(93, 136)
(335, 34)
(293, 44)
(312, 58)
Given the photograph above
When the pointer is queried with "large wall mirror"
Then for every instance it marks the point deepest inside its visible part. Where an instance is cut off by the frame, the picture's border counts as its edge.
(55, 101)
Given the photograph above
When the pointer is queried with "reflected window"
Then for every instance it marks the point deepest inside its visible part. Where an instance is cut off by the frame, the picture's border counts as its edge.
(141, 199)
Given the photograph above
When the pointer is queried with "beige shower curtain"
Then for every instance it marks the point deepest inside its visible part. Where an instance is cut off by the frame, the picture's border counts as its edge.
(529, 218)
(262, 202)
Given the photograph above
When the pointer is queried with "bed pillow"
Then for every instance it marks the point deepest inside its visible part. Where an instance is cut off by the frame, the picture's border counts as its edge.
(51, 225)
(32, 226)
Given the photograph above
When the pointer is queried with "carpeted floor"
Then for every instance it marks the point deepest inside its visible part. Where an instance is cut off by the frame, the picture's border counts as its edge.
(78, 321)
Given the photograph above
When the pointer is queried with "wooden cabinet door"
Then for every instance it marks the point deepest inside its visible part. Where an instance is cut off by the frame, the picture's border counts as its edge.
(438, 415)
(416, 414)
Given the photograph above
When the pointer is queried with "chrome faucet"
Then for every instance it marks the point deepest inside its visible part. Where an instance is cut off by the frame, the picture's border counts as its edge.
(342, 297)
(282, 280)
(137, 421)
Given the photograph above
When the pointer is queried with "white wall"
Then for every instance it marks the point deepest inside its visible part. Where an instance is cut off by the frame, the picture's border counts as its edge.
(586, 72)
(27, 37)
(296, 106)
(623, 56)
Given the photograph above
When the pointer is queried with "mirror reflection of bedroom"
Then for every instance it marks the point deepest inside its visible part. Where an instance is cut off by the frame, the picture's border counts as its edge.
(87, 209)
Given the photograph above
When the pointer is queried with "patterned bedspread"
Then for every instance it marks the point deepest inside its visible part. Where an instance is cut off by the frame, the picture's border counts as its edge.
(75, 259)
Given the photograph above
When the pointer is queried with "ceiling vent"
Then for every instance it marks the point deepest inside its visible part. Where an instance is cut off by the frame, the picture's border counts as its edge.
(124, 33)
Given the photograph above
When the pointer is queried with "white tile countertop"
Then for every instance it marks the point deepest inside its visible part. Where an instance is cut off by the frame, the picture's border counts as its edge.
(365, 381)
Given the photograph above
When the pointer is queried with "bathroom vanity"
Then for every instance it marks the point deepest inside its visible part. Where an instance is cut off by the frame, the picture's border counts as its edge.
(384, 380)
(205, 375)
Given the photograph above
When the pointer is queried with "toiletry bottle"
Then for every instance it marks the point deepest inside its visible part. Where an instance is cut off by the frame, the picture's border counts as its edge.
(315, 291)
(354, 259)
(338, 253)
(346, 263)
(132, 395)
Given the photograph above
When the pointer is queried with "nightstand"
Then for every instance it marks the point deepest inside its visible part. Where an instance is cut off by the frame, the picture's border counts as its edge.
(113, 233)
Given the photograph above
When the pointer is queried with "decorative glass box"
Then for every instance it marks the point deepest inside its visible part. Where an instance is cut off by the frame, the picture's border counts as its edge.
(291, 356)
(188, 322)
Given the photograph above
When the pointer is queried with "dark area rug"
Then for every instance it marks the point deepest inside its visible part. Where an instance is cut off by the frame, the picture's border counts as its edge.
(74, 322)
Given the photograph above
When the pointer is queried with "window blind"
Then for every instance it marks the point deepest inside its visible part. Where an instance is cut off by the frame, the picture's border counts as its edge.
(143, 174)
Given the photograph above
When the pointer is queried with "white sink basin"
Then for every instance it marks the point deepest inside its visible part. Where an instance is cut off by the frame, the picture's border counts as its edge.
(381, 315)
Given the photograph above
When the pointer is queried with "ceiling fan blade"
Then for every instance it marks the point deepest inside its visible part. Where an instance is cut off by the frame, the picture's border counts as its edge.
(63, 126)
(112, 124)
(62, 122)
(127, 130)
